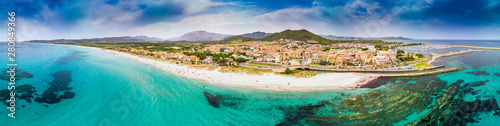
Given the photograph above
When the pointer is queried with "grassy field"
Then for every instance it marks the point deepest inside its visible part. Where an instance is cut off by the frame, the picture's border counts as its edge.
(230, 69)
(422, 65)
(300, 74)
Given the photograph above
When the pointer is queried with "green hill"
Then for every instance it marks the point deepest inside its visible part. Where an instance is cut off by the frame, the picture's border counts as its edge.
(239, 38)
(301, 35)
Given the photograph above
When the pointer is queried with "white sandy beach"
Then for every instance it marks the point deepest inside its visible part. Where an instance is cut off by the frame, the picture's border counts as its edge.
(267, 81)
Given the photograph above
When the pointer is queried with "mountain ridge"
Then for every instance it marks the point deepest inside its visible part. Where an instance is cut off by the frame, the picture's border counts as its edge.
(334, 37)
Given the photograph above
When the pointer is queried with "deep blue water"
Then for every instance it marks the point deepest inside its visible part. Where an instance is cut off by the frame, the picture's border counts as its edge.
(482, 43)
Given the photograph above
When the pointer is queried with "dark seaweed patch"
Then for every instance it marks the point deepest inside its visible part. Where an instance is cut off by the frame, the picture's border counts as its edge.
(4, 96)
(222, 100)
(25, 92)
(20, 74)
(397, 101)
(384, 80)
(22, 92)
(479, 73)
(294, 115)
(75, 56)
(213, 100)
(457, 111)
(476, 84)
(497, 74)
(67, 95)
(59, 84)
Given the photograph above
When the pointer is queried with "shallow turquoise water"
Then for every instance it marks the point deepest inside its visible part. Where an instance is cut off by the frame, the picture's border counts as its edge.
(111, 90)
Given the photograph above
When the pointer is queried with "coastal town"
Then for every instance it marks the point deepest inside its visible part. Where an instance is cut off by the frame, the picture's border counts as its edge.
(292, 52)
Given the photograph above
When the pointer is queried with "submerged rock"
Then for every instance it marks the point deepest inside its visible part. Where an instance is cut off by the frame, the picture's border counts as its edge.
(213, 100)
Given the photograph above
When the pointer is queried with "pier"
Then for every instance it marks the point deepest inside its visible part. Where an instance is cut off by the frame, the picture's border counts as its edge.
(461, 52)
(451, 54)
(476, 47)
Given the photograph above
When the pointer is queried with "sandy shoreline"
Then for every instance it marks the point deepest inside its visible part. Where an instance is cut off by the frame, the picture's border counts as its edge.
(268, 81)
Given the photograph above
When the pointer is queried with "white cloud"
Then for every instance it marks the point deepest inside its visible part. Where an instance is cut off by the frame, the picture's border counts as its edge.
(228, 23)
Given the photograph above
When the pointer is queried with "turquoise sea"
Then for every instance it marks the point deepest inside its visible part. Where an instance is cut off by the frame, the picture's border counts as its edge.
(70, 85)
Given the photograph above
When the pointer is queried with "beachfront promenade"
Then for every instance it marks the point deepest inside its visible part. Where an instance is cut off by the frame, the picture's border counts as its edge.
(368, 72)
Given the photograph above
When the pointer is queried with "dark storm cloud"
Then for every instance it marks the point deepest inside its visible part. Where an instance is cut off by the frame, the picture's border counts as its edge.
(64, 13)
(270, 5)
(437, 12)
(160, 12)
(458, 12)
(21, 7)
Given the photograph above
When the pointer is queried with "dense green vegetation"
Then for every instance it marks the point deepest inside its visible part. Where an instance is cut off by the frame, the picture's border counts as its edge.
(301, 35)
(382, 47)
(288, 71)
(419, 55)
(239, 38)
(413, 44)
(216, 57)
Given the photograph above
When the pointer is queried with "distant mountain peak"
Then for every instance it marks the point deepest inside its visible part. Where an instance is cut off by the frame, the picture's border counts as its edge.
(201, 35)
(143, 37)
(301, 35)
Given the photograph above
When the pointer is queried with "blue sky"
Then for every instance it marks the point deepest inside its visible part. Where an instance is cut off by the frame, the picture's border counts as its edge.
(419, 19)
